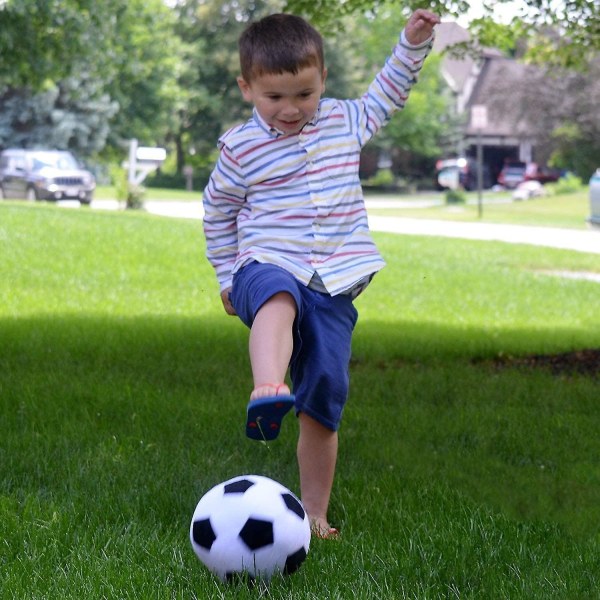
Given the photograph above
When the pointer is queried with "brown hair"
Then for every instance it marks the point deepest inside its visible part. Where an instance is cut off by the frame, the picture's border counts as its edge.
(279, 43)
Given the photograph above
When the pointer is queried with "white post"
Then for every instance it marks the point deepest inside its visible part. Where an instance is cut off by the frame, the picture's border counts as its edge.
(133, 145)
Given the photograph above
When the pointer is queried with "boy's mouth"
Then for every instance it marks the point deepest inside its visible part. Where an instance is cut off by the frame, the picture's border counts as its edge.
(291, 124)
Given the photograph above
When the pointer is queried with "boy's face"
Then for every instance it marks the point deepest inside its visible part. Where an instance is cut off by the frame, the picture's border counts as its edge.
(284, 100)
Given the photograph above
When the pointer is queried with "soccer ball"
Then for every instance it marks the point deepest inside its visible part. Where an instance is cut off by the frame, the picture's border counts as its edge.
(250, 525)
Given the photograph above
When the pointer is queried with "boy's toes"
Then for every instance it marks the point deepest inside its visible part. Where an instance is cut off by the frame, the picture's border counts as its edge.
(321, 529)
(269, 389)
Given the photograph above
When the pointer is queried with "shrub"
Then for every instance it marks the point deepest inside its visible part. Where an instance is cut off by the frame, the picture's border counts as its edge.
(132, 195)
(568, 184)
(384, 178)
(455, 197)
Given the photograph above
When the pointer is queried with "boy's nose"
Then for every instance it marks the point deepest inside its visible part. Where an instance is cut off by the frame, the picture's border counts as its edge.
(290, 109)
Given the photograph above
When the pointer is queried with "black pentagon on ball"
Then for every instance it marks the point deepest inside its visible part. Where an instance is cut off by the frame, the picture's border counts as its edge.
(203, 533)
(293, 504)
(257, 533)
(238, 487)
(293, 562)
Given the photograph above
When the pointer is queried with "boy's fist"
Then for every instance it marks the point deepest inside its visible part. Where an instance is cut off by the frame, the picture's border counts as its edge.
(420, 26)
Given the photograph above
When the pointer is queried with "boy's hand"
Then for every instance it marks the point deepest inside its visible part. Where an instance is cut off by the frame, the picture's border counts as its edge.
(227, 302)
(420, 26)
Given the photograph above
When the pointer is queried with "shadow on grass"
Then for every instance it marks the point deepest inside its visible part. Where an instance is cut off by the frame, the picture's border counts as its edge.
(145, 414)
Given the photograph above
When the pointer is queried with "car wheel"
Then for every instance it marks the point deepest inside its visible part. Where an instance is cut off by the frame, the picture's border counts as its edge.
(31, 196)
(2, 196)
(86, 201)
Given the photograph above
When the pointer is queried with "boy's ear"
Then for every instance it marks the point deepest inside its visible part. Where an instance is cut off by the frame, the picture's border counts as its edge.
(323, 79)
(245, 89)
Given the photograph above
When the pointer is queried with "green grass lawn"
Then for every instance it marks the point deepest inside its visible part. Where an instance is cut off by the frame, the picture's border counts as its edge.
(123, 387)
(568, 210)
(108, 192)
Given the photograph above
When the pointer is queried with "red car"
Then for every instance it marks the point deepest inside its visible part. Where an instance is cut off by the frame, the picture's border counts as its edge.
(514, 173)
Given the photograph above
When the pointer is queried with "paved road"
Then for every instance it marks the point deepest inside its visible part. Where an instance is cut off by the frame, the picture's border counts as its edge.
(581, 240)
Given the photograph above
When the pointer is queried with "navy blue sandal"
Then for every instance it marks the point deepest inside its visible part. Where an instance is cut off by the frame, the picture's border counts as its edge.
(265, 416)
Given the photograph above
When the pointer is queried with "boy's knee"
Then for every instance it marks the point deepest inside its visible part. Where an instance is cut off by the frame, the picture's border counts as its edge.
(280, 303)
(283, 299)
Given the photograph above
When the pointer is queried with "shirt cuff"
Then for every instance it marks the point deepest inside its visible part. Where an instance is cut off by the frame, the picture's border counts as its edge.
(408, 46)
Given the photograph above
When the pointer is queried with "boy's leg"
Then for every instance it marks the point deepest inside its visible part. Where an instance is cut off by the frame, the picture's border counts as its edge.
(266, 298)
(317, 456)
(271, 345)
(320, 376)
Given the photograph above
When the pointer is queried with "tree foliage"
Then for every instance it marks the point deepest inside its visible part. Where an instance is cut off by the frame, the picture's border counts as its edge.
(209, 30)
(424, 120)
(90, 75)
(565, 32)
(72, 114)
(76, 73)
(147, 64)
(40, 38)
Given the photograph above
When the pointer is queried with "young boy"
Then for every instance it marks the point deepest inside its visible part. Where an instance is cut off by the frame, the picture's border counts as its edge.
(287, 233)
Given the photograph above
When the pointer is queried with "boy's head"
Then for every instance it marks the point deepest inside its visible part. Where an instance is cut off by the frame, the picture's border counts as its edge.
(277, 44)
(283, 71)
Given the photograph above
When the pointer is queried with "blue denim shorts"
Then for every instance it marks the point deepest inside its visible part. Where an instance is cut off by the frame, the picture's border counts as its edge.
(322, 337)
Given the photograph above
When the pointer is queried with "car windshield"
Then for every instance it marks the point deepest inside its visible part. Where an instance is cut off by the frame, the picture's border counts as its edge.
(56, 160)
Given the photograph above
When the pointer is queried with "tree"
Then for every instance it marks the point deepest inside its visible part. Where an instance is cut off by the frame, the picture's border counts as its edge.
(418, 128)
(209, 30)
(565, 32)
(72, 114)
(40, 39)
(81, 74)
(147, 59)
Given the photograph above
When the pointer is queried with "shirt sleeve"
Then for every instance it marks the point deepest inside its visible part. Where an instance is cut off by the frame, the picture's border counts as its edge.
(224, 196)
(390, 89)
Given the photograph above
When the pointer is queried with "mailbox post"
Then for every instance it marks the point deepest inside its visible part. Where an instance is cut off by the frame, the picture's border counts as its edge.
(142, 161)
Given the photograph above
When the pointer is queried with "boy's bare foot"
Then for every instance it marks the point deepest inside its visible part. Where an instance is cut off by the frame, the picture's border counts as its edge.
(269, 389)
(320, 528)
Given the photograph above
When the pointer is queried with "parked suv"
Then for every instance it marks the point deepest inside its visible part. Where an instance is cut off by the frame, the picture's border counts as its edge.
(44, 175)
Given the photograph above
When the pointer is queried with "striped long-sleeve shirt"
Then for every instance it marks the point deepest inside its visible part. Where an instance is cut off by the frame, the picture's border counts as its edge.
(295, 200)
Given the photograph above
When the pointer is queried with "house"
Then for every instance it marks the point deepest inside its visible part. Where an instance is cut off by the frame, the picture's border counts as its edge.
(481, 86)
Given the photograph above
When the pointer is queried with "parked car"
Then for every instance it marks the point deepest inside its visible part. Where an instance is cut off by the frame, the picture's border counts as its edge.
(454, 173)
(44, 175)
(514, 173)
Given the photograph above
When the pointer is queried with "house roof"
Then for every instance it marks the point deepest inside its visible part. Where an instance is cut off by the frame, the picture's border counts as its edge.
(485, 79)
(456, 71)
(497, 76)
